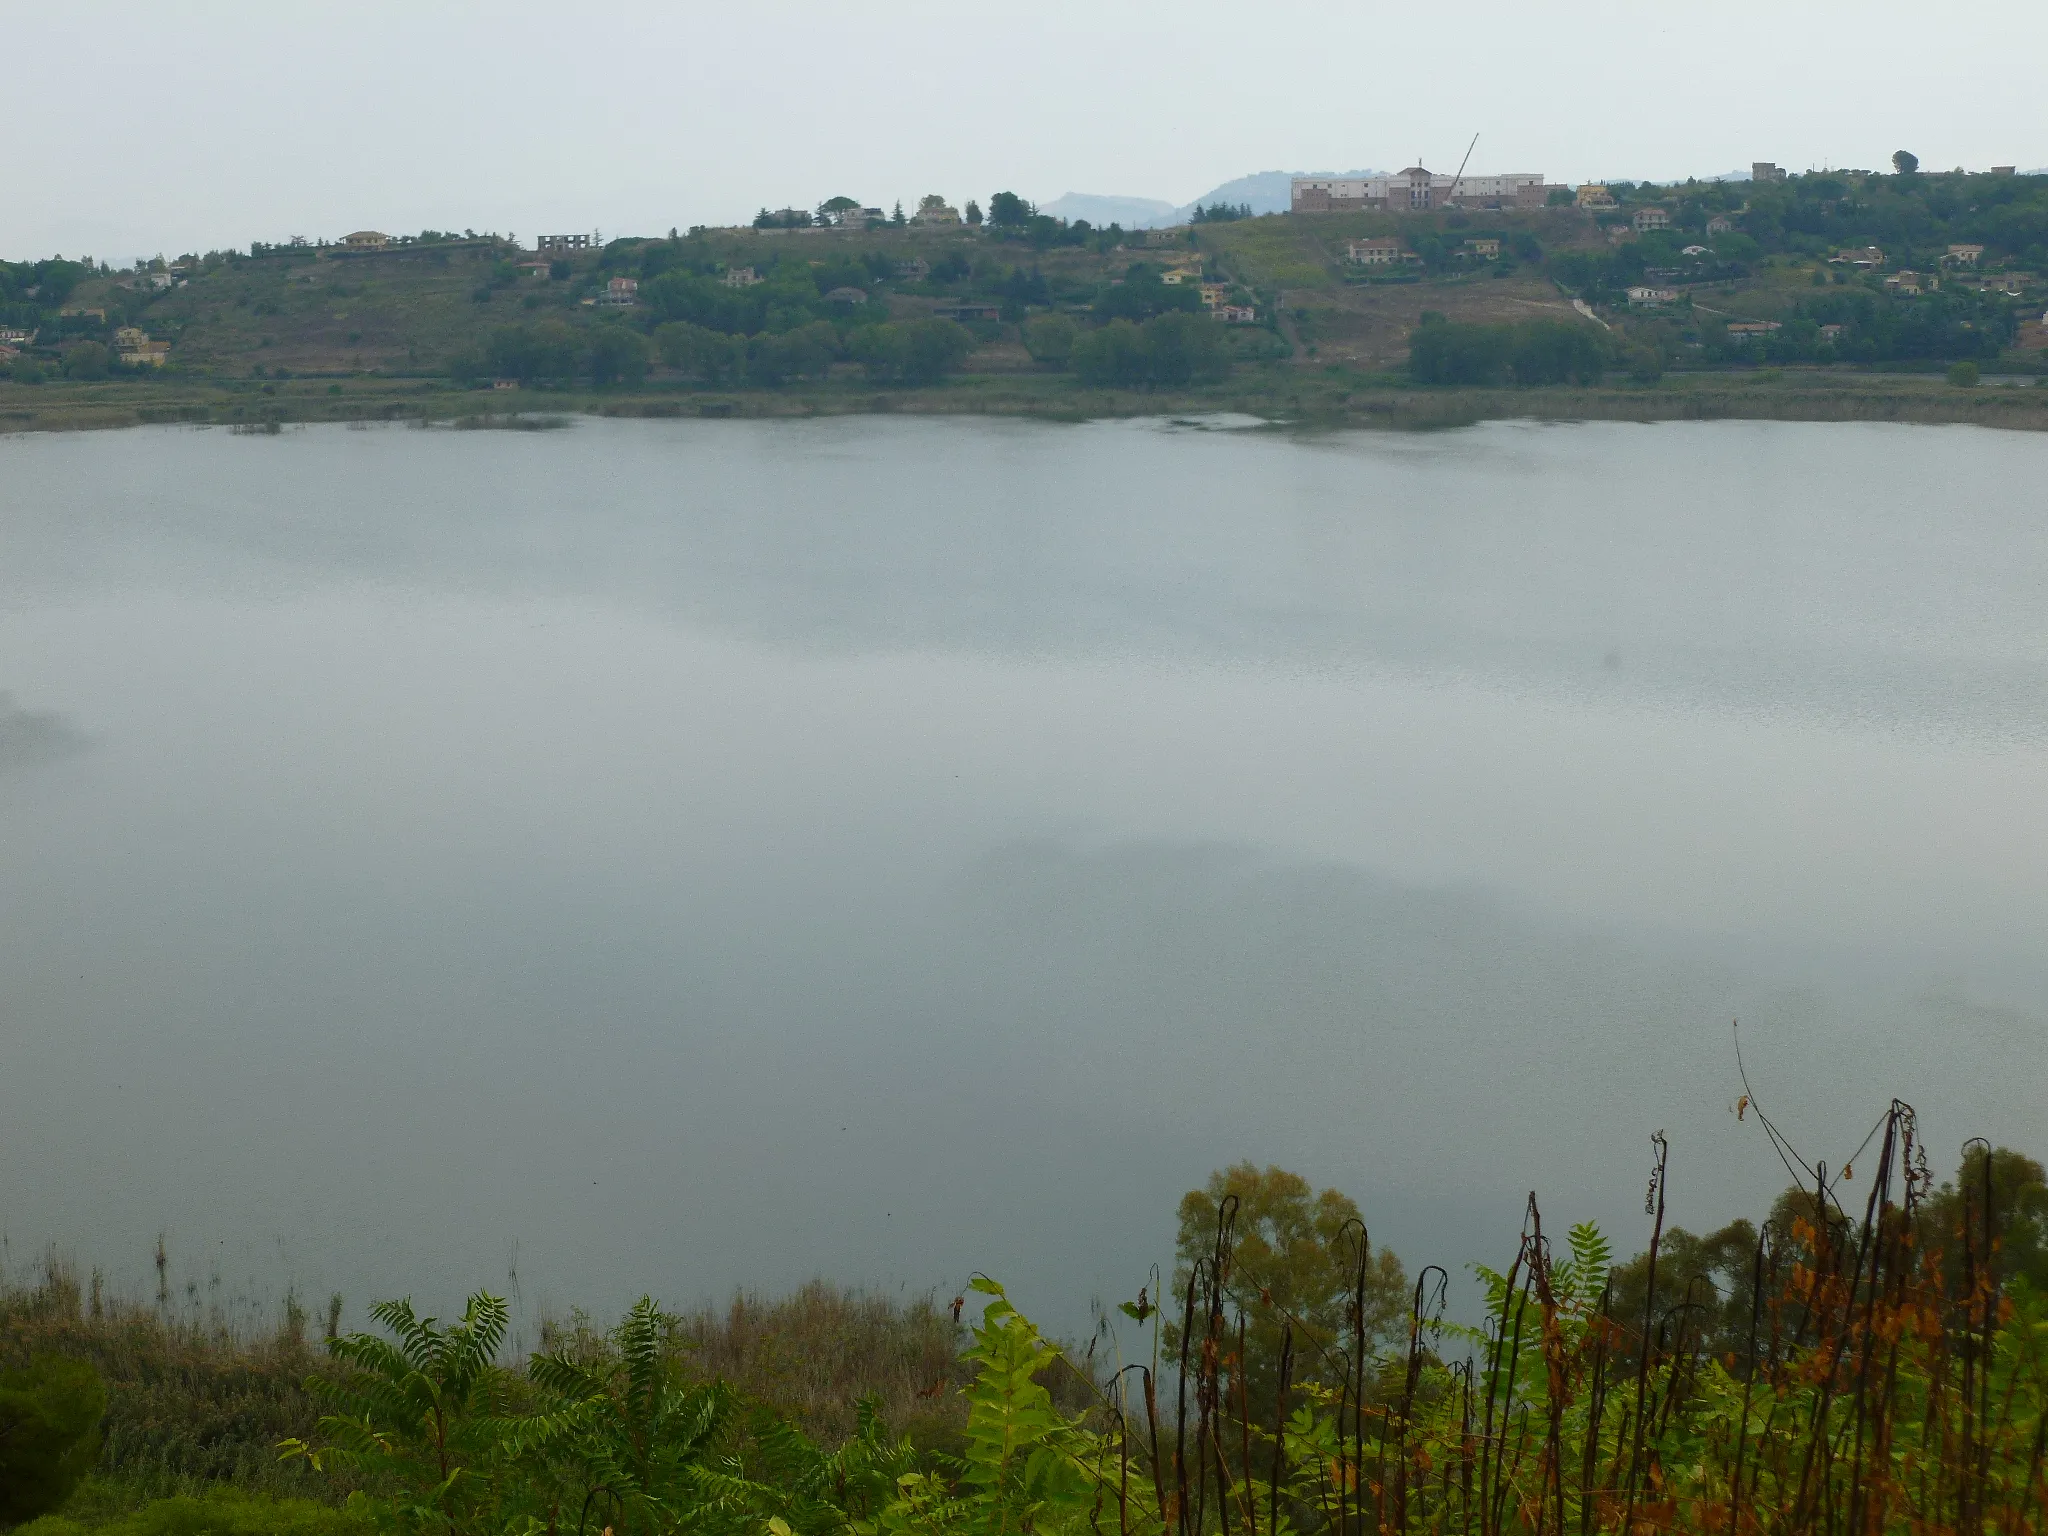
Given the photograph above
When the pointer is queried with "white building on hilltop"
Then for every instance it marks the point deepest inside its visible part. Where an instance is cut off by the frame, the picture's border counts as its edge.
(1415, 190)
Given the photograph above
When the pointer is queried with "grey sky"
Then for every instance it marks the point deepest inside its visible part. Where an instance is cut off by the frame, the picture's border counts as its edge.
(130, 128)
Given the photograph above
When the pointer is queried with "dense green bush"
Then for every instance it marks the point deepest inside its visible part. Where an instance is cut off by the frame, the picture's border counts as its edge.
(49, 1434)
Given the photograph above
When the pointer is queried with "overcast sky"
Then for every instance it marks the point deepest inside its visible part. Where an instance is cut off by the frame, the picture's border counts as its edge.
(137, 128)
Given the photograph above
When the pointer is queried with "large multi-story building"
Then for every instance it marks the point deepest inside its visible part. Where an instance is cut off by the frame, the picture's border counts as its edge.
(1416, 190)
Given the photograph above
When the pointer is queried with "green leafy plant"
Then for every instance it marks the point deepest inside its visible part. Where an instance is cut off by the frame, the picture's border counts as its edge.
(420, 1409)
(635, 1445)
(1026, 1465)
(49, 1434)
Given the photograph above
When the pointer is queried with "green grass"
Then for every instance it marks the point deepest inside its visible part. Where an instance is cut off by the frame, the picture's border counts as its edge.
(107, 1507)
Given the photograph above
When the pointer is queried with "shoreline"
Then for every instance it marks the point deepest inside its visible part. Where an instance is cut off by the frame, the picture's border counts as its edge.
(1293, 396)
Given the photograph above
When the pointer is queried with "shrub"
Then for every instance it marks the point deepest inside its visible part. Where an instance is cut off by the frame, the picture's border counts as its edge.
(49, 1434)
(1963, 375)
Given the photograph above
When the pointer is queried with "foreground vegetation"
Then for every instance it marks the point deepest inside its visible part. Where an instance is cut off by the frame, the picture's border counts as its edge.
(1870, 1366)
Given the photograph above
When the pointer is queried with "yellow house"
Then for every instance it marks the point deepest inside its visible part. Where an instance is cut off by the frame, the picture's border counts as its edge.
(138, 351)
(1383, 252)
(365, 240)
(1594, 194)
(1214, 294)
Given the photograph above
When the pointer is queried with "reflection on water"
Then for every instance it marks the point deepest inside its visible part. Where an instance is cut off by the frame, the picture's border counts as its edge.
(725, 852)
(29, 736)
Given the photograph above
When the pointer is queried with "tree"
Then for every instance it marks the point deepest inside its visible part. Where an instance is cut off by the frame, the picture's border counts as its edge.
(1050, 339)
(532, 352)
(1560, 197)
(1953, 1218)
(1558, 352)
(1182, 348)
(896, 215)
(617, 356)
(914, 352)
(712, 356)
(1006, 210)
(1111, 354)
(1963, 375)
(973, 212)
(1708, 1276)
(86, 360)
(49, 1434)
(832, 210)
(804, 352)
(1440, 352)
(1296, 1263)
(1905, 162)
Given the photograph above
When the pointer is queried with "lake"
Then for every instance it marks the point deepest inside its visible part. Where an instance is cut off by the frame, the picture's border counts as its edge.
(675, 856)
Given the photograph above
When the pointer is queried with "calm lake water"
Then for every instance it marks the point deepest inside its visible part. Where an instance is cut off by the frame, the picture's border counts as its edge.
(664, 856)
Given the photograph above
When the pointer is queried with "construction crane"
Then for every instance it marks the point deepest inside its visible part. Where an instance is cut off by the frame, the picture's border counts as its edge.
(1452, 195)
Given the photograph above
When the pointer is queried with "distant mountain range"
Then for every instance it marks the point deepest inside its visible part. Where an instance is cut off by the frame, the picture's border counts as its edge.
(1263, 191)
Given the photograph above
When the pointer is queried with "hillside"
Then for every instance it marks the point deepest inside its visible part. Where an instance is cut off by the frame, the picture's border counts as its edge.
(1855, 284)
